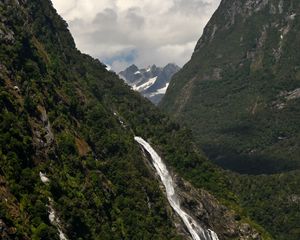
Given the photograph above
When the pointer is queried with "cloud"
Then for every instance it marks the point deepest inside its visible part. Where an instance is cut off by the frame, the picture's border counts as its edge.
(143, 32)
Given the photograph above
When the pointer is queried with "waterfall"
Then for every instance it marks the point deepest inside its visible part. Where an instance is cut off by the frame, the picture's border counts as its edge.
(196, 231)
(55, 220)
(52, 215)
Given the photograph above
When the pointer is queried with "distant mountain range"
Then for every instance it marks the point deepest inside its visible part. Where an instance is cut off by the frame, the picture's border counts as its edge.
(151, 82)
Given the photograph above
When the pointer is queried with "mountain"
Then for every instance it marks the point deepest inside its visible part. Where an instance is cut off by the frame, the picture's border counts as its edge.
(152, 82)
(239, 94)
(73, 160)
(240, 90)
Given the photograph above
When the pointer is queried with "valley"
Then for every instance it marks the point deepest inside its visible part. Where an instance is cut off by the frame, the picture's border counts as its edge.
(85, 153)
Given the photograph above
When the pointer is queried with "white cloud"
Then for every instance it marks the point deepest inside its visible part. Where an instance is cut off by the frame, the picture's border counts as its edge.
(143, 32)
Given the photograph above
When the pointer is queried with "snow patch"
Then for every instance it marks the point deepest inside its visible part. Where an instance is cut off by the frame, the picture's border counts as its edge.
(160, 91)
(108, 68)
(145, 86)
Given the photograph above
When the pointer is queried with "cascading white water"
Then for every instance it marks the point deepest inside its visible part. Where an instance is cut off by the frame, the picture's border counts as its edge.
(196, 231)
(52, 215)
(55, 220)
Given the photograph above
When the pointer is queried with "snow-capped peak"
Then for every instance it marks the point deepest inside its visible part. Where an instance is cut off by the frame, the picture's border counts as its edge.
(152, 82)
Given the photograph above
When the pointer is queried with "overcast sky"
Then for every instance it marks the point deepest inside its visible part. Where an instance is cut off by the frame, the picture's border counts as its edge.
(144, 32)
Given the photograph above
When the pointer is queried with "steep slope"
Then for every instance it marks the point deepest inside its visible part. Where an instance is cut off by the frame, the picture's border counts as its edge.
(69, 165)
(240, 95)
(152, 82)
(240, 90)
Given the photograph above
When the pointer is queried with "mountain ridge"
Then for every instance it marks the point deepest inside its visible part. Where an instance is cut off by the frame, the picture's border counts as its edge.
(151, 82)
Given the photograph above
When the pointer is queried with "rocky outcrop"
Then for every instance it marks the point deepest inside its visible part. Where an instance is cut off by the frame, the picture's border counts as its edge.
(208, 211)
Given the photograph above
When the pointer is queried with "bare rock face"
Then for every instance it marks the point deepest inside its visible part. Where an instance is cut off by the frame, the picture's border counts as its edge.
(213, 215)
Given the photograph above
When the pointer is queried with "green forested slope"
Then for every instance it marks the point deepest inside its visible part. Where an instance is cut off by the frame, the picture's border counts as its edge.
(53, 120)
(240, 91)
(272, 200)
(240, 95)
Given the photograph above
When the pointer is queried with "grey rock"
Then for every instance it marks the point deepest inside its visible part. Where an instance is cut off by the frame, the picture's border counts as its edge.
(213, 215)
